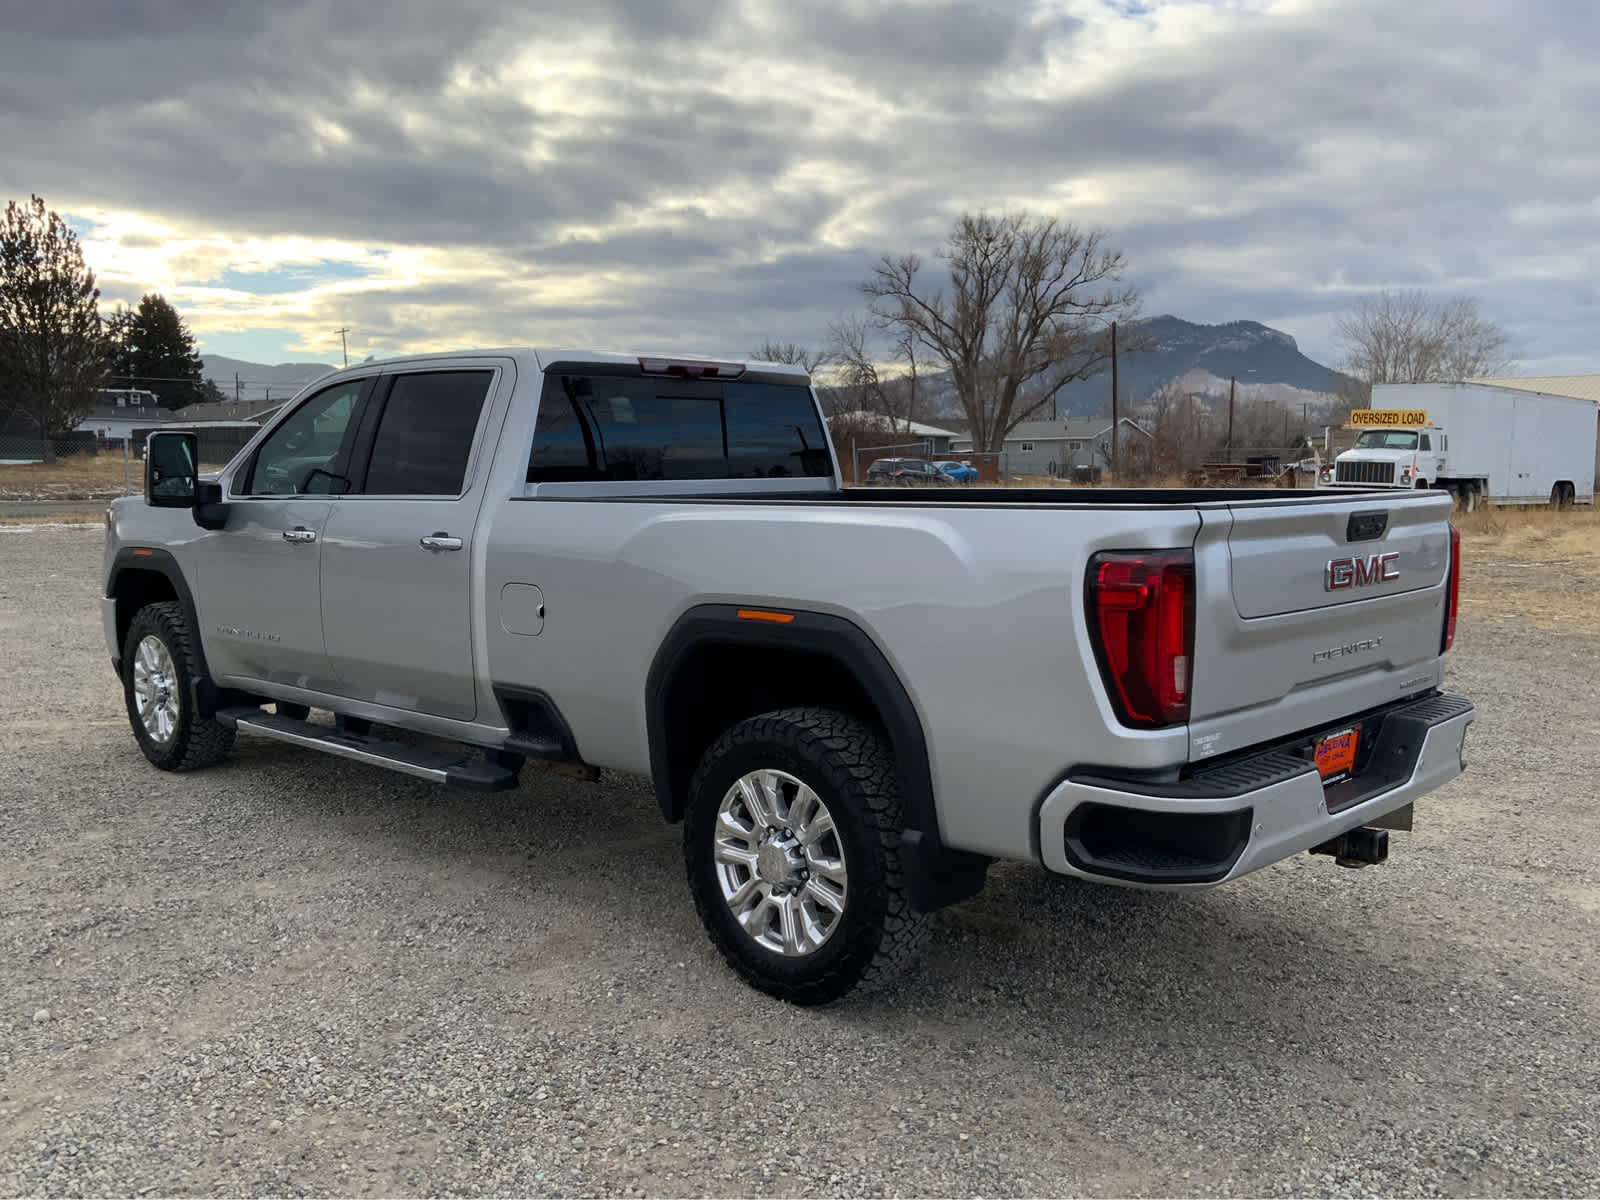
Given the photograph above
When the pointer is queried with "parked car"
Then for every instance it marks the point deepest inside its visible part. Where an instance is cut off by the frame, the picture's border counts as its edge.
(959, 471)
(907, 472)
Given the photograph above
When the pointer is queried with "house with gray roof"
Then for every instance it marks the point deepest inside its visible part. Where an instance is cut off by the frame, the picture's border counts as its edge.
(117, 412)
(1064, 447)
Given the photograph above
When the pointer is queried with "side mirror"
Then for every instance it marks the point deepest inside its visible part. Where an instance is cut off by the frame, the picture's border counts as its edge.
(171, 470)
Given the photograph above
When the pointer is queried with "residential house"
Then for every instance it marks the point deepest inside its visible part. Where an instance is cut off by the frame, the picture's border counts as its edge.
(938, 441)
(1067, 447)
(119, 411)
(258, 410)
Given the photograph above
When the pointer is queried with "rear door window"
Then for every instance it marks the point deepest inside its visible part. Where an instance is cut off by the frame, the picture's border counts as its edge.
(425, 433)
(594, 425)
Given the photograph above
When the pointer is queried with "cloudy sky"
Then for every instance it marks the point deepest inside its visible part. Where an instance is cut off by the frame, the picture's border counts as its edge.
(701, 175)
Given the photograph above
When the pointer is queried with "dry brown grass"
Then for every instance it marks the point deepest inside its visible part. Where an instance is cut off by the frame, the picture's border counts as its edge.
(80, 476)
(1537, 532)
(98, 471)
(1538, 565)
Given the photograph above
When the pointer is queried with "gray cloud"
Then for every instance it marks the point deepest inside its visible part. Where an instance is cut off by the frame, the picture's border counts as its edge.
(727, 172)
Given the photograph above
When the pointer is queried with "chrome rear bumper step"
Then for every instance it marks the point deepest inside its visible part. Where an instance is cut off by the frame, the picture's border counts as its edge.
(456, 770)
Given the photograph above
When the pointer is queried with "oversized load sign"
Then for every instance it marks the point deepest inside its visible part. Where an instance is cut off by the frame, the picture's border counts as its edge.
(1362, 417)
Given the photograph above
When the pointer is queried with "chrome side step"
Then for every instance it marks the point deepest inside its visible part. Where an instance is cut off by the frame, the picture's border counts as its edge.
(456, 770)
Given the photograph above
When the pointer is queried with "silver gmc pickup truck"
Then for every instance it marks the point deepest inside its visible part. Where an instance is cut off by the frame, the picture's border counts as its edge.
(854, 699)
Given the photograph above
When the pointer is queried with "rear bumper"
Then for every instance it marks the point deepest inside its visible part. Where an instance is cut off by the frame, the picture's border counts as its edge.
(1229, 820)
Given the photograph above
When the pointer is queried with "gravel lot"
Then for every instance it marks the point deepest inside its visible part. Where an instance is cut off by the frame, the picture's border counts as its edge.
(295, 975)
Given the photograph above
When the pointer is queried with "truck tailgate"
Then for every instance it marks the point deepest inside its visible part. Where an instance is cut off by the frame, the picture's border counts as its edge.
(1335, 608)
(1289, 560)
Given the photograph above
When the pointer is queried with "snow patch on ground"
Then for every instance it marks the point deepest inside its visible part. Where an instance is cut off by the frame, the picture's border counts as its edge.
(43, 525)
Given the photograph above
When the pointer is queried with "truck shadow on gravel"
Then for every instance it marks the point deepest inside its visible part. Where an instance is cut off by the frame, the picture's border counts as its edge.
(579, 883)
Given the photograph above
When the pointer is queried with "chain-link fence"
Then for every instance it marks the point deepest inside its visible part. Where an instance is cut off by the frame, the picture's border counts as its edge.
(75, 467)
(88, 466)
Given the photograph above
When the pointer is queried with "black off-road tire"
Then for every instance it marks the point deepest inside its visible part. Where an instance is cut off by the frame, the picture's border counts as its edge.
(195, 741)
(851, 769)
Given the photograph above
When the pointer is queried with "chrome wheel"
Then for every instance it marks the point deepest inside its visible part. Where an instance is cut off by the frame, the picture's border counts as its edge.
(780, 862)
(155, 689)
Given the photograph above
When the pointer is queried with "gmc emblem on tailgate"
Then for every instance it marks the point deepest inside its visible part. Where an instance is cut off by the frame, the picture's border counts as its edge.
(1344, 573)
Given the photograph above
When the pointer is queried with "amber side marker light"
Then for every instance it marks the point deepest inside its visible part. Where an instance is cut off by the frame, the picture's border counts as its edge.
(757, 614)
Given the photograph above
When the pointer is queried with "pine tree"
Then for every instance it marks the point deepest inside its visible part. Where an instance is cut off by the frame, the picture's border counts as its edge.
(52, 350)
(156, 351)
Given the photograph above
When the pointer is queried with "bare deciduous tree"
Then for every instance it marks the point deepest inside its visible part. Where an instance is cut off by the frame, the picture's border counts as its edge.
(867, 387)
(1181, 428)
(790, 352)
(1023, 313)
(1410, 337)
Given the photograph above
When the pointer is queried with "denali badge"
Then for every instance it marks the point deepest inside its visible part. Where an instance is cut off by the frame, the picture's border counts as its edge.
(1343, 573)
(249, 635)
(1349, 648)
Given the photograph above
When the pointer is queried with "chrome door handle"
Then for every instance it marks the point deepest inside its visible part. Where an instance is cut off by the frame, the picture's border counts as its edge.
(299, 534)
(440, 541)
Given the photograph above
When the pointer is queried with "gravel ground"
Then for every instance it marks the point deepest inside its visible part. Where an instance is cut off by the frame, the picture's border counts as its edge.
(293, 975)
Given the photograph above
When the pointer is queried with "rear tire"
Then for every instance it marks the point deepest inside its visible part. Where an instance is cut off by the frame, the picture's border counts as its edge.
(792, 843)
(160, 667)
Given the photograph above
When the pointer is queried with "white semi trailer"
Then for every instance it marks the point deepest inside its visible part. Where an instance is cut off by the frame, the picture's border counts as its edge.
(1479, 441)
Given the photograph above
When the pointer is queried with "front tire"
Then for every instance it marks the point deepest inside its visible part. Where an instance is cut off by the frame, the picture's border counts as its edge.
(792, 843)
(160, 666)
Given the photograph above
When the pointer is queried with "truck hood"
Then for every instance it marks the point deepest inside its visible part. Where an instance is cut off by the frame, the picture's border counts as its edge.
(1394, 456)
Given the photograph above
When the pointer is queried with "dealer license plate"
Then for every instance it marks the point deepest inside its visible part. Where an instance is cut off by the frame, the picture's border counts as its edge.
(1336, 755)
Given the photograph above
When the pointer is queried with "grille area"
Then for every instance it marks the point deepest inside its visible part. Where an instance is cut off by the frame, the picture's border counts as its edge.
(1364, 472)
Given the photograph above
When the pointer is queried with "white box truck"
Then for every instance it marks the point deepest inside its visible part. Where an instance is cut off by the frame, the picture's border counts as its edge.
(1479, 441)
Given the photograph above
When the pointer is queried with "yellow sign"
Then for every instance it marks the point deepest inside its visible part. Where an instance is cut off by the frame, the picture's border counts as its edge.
(1388, 416)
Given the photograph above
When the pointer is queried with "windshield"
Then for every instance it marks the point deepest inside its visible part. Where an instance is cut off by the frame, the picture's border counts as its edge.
(1387, 439)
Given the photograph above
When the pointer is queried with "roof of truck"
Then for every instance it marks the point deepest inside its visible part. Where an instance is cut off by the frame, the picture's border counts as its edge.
(1579, 387)
(551, 354)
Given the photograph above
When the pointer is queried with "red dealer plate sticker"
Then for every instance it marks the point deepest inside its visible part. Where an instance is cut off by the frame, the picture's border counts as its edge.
(1336, 755)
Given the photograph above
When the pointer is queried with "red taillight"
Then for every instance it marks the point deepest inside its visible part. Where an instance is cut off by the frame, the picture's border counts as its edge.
(1142, 611)
(1452, 603)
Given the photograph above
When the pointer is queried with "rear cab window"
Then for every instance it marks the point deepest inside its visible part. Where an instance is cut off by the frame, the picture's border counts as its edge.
(425, 433)
(615, 423)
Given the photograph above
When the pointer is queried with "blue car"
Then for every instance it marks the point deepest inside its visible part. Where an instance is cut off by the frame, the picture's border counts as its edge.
(959, 471)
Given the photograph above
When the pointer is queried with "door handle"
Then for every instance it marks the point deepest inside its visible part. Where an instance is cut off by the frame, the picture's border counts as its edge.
(440, 541)
(299, 534)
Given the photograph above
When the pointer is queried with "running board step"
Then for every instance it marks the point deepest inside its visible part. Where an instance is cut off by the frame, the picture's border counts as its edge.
(456, 770)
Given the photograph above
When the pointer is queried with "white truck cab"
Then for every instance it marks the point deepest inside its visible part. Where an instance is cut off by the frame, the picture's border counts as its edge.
(1399, 456)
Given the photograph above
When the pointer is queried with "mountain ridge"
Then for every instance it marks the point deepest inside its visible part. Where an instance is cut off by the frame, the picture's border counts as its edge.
(1248, 351)
(1266, 362)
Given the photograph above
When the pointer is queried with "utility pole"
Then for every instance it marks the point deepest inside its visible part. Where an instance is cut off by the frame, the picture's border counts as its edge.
(236, 387)
(341, 331)
(1113, 400)
(1232, 381)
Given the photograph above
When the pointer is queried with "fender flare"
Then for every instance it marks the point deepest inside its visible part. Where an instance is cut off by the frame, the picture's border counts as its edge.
(936, 875)
(206, 696)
